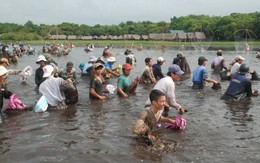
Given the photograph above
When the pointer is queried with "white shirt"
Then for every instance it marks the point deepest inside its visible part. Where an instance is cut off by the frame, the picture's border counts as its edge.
(235, 68)
(167, 86)
(50, 88)
(132, 57)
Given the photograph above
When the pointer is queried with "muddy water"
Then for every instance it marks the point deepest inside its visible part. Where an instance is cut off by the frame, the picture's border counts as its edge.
(99, 131)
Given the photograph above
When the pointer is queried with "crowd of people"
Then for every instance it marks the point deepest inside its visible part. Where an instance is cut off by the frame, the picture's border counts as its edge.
(17, 51)
(14, 51)
(59, 86)
(57, 49)
(163, 96)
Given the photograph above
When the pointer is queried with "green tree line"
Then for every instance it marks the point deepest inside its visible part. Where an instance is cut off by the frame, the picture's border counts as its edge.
(221, 28)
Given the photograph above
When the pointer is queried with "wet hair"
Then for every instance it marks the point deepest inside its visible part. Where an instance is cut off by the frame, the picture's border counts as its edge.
(244, 68)
(219, 54)
(201, 60)
(123, 70)
(200, 63)
(147, 60)
(170, 73)
(155, 95)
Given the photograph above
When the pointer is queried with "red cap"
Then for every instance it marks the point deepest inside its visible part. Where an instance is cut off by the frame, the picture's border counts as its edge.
(127, 66)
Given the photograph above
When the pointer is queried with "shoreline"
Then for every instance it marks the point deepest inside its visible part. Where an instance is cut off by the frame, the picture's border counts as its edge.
(214, 45)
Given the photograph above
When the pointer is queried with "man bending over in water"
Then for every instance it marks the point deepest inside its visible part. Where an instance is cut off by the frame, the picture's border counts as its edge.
(151, 115)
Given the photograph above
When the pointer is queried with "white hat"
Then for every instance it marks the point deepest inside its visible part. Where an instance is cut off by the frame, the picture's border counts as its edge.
(3, 70)
(160, 59)
(41, 58)
(48, 69)
(92, 59)
(239, 57)
(111, 59)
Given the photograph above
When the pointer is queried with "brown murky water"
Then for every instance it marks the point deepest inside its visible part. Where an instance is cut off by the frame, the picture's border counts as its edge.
(99, 131)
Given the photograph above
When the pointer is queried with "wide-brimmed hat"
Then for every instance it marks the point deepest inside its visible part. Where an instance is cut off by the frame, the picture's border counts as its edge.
(4, 60)
(48, 69)
(111, 59)
(239, 57)
(41, 58)
(3, 70)
(92, 59)
(173, 68)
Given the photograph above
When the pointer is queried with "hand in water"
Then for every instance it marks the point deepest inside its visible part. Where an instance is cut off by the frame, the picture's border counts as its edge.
(255, 93)
(103, 97)
(182, 110)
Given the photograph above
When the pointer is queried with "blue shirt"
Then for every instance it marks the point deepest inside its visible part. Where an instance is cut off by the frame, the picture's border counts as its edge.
(199, 74)
(157, 71)
(108, 65)
(239, 86)
(86, 67)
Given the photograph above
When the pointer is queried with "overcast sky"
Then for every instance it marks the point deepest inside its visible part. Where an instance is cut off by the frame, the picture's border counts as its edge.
(92, 12)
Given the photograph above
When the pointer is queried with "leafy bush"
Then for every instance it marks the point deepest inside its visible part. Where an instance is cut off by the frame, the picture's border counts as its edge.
(18, 36)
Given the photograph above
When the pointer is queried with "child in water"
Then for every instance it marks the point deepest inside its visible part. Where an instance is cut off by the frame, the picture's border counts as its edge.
(147, 122)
